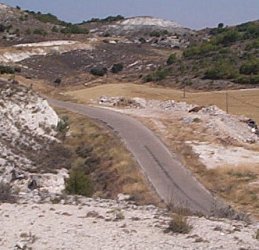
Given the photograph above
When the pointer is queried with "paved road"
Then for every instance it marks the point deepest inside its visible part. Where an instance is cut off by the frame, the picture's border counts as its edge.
(171, 180)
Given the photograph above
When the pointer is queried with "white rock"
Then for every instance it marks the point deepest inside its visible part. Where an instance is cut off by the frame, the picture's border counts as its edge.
(123, 197)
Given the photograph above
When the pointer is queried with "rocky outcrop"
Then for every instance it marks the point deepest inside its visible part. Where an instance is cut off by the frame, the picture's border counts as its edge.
(27, 135)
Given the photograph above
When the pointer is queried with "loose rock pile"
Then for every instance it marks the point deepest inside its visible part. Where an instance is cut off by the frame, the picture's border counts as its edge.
(216, 121)
(119, 102)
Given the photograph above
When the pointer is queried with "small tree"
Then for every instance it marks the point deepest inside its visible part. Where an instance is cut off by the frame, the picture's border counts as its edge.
(98, 71)
(220, 25)
(171, 59)
(57, 82)
(116, 68)
(79, 183)
(40, 32)
(63, 125)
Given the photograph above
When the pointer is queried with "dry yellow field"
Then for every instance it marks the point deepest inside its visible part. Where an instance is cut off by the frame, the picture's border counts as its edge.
(240, 102)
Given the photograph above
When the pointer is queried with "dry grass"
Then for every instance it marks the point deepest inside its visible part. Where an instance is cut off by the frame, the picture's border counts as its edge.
(237, 185)
(233, 185)
(244, 102)
(178, 224)
(241, 102)
(116, 171)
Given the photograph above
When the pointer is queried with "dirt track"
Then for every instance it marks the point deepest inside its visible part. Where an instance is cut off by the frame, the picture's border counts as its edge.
(171, 180)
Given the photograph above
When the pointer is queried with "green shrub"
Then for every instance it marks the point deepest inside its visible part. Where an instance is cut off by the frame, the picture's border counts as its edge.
(221, 69)
(40, 32)
(228, 37)
(158, 75)
(171, 59)
(216, 73)
(245, 79)
(213, 73)
(216, 31)
(6, 70)
(250, 67)
(178, 224)
(155, 33)
(93, 20)
(63, 125)
(112, 18)
(254, 79)
(242, 79)
(191, 51)
(98, 71)
(107, 19)
(74, 29)
(200, 50)
(79, 183)
(47, 18)
(249, 30)
(116, 68)
(253, 45)
(158, 33)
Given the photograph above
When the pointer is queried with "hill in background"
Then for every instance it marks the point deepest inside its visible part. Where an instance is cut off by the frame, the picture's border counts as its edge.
(138, 49)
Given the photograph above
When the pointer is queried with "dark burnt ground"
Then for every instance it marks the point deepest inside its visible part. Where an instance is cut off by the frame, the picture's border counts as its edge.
(73, 63)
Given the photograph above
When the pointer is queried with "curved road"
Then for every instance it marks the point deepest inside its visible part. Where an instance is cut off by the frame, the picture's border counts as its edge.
(171, 180)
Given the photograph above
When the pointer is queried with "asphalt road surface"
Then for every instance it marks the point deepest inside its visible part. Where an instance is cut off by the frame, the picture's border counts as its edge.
(170, 179)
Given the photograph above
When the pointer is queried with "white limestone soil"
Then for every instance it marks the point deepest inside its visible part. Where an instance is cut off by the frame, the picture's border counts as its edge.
(108, 225)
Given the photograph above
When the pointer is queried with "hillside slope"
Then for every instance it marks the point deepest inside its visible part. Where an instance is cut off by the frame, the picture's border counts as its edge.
(21, 26)
(218, 58)
(29, 150)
